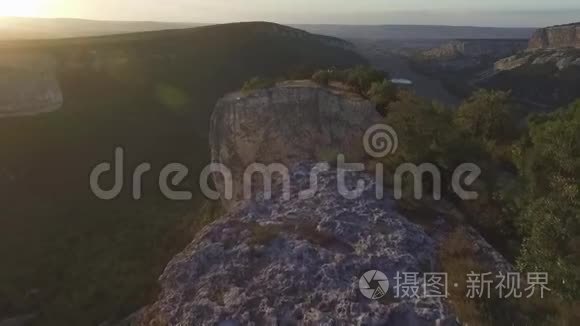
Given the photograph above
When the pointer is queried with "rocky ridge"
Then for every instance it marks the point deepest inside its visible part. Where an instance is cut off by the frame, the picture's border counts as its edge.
(475, 48)
(287, 124)
(558, 58)
(555, 37)
(556, 46)
(298, 260)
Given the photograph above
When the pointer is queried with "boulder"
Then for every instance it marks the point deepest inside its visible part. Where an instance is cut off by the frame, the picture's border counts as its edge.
(563, 36)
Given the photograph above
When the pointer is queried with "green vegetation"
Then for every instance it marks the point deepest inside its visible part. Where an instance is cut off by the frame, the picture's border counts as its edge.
(365, 81)
(382, 93)
(76, 260)
(528, 205)
(549, 164)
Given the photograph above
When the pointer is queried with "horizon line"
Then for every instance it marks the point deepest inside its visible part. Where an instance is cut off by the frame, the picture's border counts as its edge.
(254, 21)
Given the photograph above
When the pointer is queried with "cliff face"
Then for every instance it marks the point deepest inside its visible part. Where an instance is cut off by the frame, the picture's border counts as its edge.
(556, 46)
(565, 36)
(28, 85)
(293, 122)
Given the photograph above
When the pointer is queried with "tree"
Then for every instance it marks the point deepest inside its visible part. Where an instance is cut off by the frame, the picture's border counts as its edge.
(550, 207)
(361, 78)
(257, 83)
(488, 116)
(322, 77)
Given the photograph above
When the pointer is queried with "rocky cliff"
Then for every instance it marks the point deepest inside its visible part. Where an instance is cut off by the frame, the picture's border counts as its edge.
(558, 58)
(563, 36)
(292, 122)
(298, 260)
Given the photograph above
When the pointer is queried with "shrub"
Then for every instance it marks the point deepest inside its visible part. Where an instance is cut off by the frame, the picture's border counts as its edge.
(488, 116)
(322, 77)
(361, 78)
(383, 93)
(257, 83)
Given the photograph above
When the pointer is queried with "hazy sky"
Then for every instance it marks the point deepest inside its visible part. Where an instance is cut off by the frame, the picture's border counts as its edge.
(450, 12)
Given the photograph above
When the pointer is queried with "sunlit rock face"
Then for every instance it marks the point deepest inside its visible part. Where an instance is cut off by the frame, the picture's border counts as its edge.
(298, 261)
(28, 86)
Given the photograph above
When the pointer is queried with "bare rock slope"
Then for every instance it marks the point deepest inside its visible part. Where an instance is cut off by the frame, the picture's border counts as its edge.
(298, 262)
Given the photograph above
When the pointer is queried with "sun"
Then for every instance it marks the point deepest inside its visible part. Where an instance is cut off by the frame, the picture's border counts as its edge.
(22, 8)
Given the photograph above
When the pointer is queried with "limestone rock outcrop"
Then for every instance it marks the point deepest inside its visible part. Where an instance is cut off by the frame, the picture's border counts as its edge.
(298, 262)
(297, 258)
(557, 58)
(557, 46)
(290, 123)
(563, 36)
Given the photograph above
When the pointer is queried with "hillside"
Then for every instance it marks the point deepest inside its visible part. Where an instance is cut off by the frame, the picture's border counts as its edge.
(12, 28)
(151, 93)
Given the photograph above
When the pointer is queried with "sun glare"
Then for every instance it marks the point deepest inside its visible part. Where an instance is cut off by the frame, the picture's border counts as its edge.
(23, 8)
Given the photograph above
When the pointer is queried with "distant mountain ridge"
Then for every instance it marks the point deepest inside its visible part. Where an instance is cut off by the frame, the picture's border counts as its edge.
(12, 28)
(424, 32)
